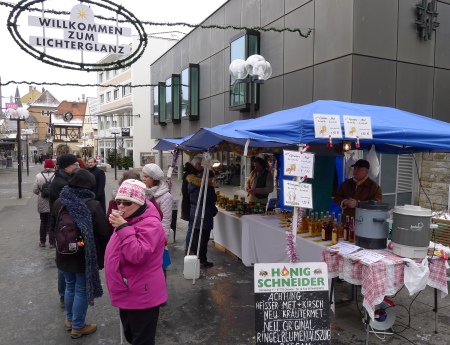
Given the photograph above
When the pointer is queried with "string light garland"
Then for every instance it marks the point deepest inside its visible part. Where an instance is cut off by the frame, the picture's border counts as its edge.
(73, 65)
(183, 24)
(77, 84)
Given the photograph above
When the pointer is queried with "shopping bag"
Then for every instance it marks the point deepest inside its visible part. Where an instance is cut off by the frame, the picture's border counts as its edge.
(374, 163)
(416, 275)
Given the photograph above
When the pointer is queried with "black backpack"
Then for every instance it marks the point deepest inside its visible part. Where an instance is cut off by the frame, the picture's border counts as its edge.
(68, 237)
(45, 189)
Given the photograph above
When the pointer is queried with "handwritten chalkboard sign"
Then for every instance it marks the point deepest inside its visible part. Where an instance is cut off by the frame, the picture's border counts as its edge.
(292, 304)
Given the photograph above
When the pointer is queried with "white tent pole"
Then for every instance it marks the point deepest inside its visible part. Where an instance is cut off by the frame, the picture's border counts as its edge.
(196, 211)
(203, 215)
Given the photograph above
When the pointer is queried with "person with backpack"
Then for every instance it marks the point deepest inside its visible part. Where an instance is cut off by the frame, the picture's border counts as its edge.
(41, 188)
(67, 162)
(81, 233)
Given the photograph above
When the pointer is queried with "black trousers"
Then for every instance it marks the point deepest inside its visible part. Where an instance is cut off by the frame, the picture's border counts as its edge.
(203, 243)
(139, 325)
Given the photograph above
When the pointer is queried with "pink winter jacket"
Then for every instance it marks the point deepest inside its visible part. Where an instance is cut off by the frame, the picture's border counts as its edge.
(133, 263)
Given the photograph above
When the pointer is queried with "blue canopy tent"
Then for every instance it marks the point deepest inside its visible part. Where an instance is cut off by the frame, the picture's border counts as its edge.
(394, 131)
(205, 138)
(167, 144)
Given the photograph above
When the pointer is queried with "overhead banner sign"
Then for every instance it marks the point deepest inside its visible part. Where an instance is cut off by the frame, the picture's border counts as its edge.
(327, 126)
(358, 127)
(80, 33)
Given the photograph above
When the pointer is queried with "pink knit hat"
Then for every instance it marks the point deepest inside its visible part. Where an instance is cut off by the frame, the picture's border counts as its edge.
(132, 190)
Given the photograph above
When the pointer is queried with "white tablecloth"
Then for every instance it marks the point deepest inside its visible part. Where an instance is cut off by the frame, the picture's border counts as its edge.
(260, 239)
(228, 232)
(264, 241)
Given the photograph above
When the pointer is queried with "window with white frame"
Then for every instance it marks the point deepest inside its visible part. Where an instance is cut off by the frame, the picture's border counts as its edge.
(107, 75)
(100, 77)
(102, 99)
(108, 96)
(116, 94)
(126, 90)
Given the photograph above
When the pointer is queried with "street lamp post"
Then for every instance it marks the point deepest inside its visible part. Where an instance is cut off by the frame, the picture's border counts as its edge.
(256, 68)
(114, 131)
(27, 132)
(18, 115)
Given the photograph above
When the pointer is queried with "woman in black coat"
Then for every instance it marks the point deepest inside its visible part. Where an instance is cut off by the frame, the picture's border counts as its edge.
(189, 169)
(208, 221)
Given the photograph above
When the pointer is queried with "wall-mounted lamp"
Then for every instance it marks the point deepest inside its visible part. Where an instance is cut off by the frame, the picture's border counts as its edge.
(215, 163)
(346, 146)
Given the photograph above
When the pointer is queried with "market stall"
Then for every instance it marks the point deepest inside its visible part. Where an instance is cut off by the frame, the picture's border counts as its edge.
(321, 128)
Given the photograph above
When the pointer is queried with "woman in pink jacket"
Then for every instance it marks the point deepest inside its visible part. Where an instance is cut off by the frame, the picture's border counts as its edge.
(133, 263)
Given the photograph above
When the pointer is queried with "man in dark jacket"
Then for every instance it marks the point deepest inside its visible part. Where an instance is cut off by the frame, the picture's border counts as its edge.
(66, 164)
(189, 169)
(100, 178)
(359, 188)
(260, 182)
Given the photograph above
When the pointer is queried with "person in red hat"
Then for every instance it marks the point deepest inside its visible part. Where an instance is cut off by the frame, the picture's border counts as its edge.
(43, 205)
(357, 189)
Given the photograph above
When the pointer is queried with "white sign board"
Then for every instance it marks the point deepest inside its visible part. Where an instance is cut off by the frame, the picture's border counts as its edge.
(297, 194)
(358, 127)
(298, 164)
(367, 256)
(326, 126)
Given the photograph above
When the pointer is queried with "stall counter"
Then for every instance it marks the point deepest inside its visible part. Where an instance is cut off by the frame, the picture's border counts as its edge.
(261, 239)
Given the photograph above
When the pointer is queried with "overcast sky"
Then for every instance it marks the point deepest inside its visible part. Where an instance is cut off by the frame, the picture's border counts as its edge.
(18, 65)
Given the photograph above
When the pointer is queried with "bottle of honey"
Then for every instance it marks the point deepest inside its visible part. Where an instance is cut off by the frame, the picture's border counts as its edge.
(318, 228)
(334, 233)
(340, 226)
(351, 231)
(324, 230)
(346, 228)
(305, 226)
(311, 224)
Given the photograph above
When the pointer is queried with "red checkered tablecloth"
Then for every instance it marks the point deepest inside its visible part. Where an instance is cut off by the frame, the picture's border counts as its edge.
(382, 278)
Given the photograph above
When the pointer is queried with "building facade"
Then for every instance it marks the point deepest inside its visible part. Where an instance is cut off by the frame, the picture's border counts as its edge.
(126, 110)
(40, 111)
(388, 52)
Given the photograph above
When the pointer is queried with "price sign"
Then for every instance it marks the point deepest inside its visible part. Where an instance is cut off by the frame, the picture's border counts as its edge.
(326, 126)
(292, 304)
(297, 194)
(298, 164)
(358, 127)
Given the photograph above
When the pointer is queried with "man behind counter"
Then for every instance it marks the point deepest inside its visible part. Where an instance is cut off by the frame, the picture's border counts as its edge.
(260, 182)
(357, 189)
